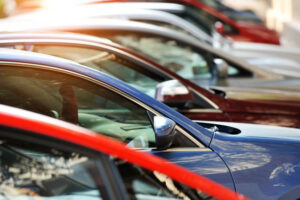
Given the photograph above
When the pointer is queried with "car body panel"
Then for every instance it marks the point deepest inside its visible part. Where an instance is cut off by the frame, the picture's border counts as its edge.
(204, 162)
(277, 170)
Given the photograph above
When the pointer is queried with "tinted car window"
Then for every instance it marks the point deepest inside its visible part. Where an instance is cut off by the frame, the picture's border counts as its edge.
(32, 172)
(143, 184)
(77, 101)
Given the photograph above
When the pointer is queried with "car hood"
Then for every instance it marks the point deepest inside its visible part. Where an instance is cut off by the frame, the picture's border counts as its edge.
(230, 136)
(262, 102)
(256, 94)
(280, 66)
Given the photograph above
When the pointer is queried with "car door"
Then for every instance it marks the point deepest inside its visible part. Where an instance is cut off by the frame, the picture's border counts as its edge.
(105, 110)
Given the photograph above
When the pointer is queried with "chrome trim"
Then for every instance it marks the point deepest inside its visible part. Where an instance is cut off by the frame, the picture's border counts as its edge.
(187, 149)
(201, 110)
(98, 82)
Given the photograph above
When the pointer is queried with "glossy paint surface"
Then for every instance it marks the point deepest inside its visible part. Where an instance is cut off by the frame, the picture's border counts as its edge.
(263, 165)
(201, 161)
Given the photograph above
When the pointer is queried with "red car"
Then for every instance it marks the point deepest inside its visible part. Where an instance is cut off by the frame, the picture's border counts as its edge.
(44, 157)
(239, 31)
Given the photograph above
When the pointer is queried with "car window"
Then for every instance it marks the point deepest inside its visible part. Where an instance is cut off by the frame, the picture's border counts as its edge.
(35, 172)
(77, 101)
(178, 58)
(104, 61)
(200, 17)
(142, 184)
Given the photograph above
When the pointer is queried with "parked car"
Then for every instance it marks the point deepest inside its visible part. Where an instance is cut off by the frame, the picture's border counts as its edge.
(255, 53)
(242, 31)
(236, 15)
(42, 157)
(235, 155)
(249, 105)
(179, 52)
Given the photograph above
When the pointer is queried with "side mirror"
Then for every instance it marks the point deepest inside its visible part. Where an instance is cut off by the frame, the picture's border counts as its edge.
(164, 132)
(219, 26)
(221, 68)
(173, 93)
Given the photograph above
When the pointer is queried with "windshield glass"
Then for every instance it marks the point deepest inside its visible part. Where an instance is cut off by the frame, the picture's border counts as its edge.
(178, 58)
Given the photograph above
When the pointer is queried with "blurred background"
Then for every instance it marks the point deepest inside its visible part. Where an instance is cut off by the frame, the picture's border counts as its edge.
(280, 15)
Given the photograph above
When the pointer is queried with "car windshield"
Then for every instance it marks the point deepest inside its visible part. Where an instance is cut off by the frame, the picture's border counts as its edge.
(178, 58)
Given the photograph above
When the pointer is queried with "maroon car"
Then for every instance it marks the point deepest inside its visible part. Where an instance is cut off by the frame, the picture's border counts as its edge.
(218, 104)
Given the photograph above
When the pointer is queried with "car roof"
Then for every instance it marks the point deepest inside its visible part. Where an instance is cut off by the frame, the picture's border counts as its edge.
(57, 36)
(17, 56)
(50, 127)
(128, 10)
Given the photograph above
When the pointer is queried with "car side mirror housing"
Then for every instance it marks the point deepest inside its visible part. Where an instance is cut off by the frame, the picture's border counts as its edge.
(220, 28)
(164, 132)
(173, 93)
(221, 68)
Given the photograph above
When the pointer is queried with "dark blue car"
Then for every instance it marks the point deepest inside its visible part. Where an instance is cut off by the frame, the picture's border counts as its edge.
(261, 162)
